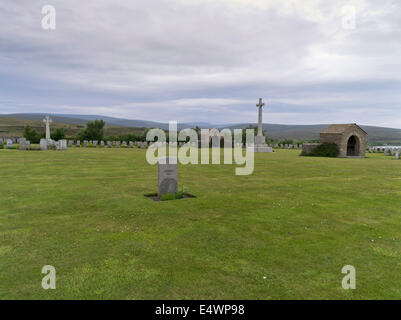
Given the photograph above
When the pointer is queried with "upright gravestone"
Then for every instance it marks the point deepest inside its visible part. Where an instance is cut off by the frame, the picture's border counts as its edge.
(22, 144)
(95, 143)
(78, 143)
(117, 144)
(102, 143)
(43, 144)
(63, 144)
(86, 143)
(168, 175)
(109, 144)
(9, 143)
(70, 143)
(131, 144)
(1, 141)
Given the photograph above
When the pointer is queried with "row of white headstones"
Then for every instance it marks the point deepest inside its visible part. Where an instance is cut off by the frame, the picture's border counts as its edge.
(388, 151)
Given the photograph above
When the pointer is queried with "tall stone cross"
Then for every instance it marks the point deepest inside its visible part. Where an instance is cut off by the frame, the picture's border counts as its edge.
(260, 128)
(47, 121)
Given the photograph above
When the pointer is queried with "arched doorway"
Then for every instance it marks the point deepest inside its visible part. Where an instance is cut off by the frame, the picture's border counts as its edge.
(353, 146)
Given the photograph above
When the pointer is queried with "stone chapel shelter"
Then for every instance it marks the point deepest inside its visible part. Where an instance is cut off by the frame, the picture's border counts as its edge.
(350, 138)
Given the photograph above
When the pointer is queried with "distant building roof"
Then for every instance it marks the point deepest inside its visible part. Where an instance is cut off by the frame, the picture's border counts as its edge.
(340, 128)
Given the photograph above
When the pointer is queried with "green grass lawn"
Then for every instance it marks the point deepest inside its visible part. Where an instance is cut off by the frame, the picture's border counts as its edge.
(284, 232)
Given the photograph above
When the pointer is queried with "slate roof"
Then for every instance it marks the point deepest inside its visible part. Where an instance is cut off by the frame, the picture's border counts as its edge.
(341, 128)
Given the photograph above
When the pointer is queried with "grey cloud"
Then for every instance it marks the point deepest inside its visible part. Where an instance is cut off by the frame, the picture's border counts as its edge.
(193, 60)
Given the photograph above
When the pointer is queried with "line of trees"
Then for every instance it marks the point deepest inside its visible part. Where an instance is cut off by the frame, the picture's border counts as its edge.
(94, 131)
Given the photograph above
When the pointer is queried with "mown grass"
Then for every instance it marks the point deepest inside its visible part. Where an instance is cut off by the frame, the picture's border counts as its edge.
(283, 232)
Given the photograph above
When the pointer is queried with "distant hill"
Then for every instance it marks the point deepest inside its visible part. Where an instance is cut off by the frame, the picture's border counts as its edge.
(13, 124)
(14, 127)
(377, 135)
(83, 119)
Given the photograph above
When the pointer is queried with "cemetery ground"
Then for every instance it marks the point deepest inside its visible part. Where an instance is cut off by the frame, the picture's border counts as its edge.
(284, 232)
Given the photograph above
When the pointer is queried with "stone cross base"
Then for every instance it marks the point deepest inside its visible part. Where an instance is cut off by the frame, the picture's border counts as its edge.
(262, 148)
(260, 145)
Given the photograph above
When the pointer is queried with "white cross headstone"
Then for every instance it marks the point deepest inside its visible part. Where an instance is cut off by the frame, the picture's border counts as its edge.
(47, 121)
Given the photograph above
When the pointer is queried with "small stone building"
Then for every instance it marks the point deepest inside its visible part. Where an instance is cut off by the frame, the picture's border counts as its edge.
(350, 138)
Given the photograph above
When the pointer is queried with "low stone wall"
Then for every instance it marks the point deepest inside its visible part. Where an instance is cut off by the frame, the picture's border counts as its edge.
(307, 148)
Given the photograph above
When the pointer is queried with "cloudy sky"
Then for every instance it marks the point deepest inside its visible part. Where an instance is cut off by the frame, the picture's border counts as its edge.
(205, 60)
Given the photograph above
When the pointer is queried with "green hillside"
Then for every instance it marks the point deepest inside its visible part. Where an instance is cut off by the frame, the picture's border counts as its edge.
(10, 127)
(13, 125)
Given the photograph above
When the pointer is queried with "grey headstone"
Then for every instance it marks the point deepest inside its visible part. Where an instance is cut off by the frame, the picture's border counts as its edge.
(43, 144)
(63, 144)
(78, 143)
(168, 175)
(9, 143)
(102, 143)
(22, 144)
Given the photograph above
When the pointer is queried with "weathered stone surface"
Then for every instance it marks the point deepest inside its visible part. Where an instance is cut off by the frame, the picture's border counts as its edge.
(43, 144)
(102, 143)
(22, 144)
(78, 143)
(262, 148)
(260, 140)
(9, 143)
(63, 144)
(350, 138)
(167, 175)
(307, 148)
(47, 121)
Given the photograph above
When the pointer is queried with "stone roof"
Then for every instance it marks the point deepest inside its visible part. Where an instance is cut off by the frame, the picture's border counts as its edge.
(341, 128)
